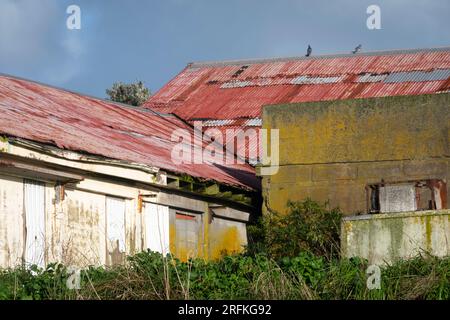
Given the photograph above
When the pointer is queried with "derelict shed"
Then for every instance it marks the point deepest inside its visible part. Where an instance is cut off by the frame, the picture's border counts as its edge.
(86, 182)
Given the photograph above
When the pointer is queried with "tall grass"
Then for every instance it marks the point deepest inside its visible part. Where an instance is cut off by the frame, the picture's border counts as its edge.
(234, 277)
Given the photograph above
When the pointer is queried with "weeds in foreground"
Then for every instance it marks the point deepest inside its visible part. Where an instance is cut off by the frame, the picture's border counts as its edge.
(234, 277)
(294, 256)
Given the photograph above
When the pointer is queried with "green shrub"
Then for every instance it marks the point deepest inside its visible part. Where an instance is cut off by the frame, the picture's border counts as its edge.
(307, 227)
(35, 283)
(310, 268)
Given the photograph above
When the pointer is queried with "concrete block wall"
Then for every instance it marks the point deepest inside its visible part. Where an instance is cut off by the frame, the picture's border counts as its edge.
(330, 151)
(344, 185)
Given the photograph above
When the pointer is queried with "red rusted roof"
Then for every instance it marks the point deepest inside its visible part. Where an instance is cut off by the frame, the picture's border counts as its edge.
(75, 122)
(237, 90)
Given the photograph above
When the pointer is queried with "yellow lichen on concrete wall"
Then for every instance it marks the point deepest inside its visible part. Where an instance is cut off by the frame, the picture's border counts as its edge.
(226, 237)
(228, 243)
(172, 238)
(330, 151)
(219, 237)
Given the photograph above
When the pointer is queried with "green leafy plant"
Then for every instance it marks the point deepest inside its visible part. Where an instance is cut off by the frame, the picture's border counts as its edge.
(307, 227)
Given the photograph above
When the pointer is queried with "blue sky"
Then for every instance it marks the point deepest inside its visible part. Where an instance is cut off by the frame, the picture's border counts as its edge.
(153, 40)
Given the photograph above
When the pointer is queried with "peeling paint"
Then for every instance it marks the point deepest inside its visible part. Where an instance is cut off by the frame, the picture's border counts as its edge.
(76, 218)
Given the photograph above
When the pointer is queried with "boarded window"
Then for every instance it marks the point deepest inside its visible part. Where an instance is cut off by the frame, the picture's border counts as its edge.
(157, 227)
(187, 233)
(408, 196)
(115, 229)
(397, 198)
(34, 204)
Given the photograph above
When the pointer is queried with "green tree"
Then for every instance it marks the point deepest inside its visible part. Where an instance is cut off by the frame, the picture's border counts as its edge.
(133, 94)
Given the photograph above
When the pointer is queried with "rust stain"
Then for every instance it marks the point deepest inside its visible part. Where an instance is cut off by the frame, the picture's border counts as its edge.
(440, 187)
(182, 216)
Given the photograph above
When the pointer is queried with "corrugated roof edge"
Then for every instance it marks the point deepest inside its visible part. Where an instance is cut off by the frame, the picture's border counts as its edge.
(201, 64)
(138, 108)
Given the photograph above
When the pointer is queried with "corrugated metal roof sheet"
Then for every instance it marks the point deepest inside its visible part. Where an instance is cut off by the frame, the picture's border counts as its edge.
(257, 122)
(216, 123)
(368, 77)
(207, 90)
(235, 84)
(418, 76)
(227, 90)
(315, 80)
(72, 121)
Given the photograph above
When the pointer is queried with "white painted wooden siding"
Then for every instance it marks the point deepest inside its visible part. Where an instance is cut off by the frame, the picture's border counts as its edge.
(34, 204)
(157, 227)
(115, 219)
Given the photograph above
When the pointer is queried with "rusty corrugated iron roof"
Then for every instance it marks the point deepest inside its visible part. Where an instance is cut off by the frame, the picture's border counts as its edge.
(236, 90)
(227, 90)
(76, 122)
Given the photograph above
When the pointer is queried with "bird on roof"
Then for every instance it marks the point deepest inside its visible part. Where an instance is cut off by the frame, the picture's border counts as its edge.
(308, 51)
(357, 49)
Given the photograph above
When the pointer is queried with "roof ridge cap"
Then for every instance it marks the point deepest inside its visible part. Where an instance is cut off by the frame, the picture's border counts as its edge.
(200, 64)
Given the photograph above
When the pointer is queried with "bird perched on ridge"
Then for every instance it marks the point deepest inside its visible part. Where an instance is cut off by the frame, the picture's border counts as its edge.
(308, 51)
(357, 49)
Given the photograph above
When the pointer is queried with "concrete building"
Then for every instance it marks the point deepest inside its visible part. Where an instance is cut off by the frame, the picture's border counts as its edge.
(86, 182)
(362, 154)
(384, 161)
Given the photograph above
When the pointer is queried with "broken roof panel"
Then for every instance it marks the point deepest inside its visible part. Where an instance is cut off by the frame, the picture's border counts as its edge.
(418, 76)
(75, 122)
